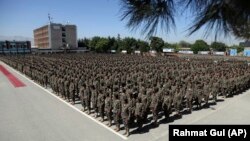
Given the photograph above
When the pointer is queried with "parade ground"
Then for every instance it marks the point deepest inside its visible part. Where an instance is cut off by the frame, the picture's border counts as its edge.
(30, 112)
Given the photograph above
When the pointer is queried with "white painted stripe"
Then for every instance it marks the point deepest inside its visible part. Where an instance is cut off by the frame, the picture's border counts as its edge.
(73, 107)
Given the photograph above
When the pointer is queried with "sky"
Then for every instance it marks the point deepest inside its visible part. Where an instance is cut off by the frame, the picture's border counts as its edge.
(92, 18)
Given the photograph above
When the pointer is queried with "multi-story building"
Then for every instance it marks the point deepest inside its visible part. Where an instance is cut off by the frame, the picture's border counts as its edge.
(56, 36)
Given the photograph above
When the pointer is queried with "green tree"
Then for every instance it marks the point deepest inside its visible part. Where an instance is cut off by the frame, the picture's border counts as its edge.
(199, 45)
(112, 43)
(83, 42)
(115, 45)
(102, 45)
(93, 42)
(218, 46)
(156, 43)
(129, 44)
(143, 46)
(167, 45)
(238, 47)
(184, 44)
(176, 47)
(80, 43)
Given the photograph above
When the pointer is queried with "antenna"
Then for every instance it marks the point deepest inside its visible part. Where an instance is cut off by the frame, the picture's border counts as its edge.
(50, 18)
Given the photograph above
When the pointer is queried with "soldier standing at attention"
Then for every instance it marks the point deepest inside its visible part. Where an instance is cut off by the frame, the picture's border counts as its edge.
(82, 97)
(167, 102)
(66, 88)
(189, 97)
(117, 112)
(126, 116)
(94, 99)
(132, 104)
(215, 90)
(45, 80)
(72, 92)
(108, 109)
(139, 113)
(87, 98)
(155, 105)
(100, 104)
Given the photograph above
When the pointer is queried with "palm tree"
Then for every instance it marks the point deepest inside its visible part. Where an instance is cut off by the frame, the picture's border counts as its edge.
(222, 16)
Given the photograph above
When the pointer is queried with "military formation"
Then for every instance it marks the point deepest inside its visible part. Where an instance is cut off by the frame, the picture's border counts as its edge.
(128, 89)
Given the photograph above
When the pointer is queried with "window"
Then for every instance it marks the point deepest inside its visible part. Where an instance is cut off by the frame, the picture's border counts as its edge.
(63, 40)
(63, 28)
(63, 34)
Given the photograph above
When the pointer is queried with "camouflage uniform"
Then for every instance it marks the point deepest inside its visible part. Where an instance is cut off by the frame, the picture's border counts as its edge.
(108, 109)
(126, 116)
(117, 112)
(72, 92)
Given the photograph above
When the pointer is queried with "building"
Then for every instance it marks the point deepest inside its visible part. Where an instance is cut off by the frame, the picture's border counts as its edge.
(15, 47)
(56, 36)
(233, 52)
(246, 46)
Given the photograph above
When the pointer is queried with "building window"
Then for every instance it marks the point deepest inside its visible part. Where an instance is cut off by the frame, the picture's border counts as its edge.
(63, 34)
(63, 40)
(63, 28)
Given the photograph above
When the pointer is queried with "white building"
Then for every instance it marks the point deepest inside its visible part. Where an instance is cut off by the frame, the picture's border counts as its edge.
(56, 36)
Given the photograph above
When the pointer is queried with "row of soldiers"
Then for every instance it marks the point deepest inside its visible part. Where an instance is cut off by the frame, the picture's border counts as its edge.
(128, 89)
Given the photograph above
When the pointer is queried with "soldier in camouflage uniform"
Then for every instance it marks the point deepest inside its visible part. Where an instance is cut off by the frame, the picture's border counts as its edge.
(94, 96)
(66, 89)
(87, 98)
(117, 112)
(178, 100)
(189, 97)
(101, 103)
(132, 104)
(155, 105)
(206, 94)
(215, 90)
(126, 116)
(139, 113)
(108, 108)
(198, 94)
(82, 97)
(167, 102)
(72, 92)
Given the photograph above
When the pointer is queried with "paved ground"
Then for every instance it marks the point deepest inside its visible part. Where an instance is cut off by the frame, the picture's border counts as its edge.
(32, 113)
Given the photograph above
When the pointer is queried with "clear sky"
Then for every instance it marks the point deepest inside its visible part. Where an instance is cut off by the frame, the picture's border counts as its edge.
(92, 17)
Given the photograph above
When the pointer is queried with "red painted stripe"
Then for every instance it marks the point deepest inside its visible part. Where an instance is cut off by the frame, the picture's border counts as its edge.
(14, 80)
